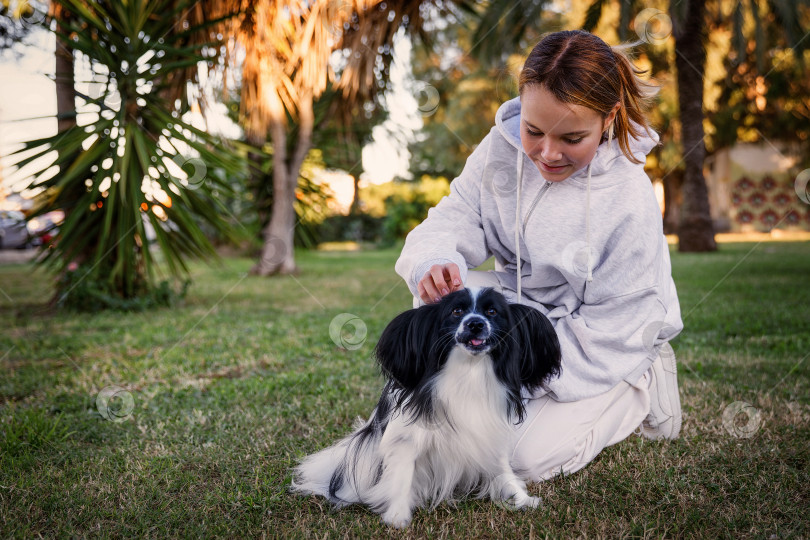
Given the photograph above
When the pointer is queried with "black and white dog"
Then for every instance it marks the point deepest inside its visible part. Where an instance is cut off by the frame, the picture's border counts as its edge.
(444, 422)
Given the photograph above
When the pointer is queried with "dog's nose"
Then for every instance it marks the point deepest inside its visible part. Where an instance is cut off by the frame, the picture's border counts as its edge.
(475, 326)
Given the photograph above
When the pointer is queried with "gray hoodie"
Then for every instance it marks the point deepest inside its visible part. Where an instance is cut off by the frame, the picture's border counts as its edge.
(609, 327)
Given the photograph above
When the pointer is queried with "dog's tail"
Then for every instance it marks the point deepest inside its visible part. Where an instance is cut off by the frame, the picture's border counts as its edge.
(351, 467)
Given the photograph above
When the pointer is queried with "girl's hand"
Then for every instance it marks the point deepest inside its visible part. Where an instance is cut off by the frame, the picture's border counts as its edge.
(439, 281)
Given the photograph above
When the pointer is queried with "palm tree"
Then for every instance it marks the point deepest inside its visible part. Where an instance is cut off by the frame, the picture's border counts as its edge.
(695, 230)
(124, 178)
(288, 47)
(689, 23)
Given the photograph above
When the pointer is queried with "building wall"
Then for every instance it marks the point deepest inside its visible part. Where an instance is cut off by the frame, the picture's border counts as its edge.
(752, 188)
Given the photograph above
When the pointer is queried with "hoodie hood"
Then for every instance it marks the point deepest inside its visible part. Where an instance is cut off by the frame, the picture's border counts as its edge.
(507, 121)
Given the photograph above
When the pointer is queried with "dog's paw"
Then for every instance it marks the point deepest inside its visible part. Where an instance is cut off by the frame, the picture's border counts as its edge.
(520, 501)
(397, 518)
(530, 502)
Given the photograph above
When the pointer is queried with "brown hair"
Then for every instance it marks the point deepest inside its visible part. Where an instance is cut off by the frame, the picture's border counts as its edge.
(579, 68)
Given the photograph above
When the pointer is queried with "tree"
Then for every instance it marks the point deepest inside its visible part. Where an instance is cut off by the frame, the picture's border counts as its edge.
(763, 93)
(288, 48)
(125, 175)
(695, 230)
(690, 21)
(452, 82)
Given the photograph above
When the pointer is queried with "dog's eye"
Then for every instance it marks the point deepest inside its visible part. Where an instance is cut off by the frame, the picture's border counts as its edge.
(491, 312)
(458, 312)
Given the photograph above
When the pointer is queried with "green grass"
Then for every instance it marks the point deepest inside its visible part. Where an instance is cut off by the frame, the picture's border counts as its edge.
(230, 389)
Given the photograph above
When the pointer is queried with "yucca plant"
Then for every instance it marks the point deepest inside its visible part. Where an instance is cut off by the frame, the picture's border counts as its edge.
(134, 177)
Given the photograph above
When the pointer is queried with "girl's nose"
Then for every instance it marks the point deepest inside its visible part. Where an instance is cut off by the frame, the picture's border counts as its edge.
(549, 152)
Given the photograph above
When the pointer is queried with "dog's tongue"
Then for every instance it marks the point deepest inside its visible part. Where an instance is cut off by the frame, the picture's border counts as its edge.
(476, 342)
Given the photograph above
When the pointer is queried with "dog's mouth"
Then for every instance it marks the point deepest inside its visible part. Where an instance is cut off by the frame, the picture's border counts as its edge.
(475, 344)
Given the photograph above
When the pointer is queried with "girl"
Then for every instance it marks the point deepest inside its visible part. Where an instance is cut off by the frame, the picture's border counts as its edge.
(557, 194)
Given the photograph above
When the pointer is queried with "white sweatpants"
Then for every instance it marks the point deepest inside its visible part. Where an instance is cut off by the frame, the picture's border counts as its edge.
(562, 437)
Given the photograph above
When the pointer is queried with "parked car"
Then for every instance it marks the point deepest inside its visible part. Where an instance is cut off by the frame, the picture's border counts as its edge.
(42, 229)
(13, 230)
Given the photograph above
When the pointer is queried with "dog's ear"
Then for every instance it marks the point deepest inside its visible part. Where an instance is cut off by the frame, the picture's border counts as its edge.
(537, 345)
(407, 348)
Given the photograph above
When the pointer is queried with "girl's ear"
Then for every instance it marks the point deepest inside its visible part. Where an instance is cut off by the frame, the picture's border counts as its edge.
(611, 116)
(537, 343)
(406, 346)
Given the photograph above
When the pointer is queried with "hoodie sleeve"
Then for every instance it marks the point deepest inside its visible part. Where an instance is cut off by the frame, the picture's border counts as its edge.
(452, 231)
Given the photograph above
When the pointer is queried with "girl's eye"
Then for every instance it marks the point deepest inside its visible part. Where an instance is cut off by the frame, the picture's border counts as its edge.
(491, 312)
(458, 312)
(540, 134)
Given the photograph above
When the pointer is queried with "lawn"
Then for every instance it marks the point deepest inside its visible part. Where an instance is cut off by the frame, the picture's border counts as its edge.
(186, 421)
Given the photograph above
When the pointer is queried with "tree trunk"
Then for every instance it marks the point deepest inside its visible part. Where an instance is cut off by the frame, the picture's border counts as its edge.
(63, 74)
(672, 201)
(354, 209)
(278, 253)
(695, 230)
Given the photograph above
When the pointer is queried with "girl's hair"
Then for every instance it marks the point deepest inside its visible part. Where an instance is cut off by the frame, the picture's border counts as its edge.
(581, 69)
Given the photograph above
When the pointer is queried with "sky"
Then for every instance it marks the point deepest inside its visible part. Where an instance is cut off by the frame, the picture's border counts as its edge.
(27, 92)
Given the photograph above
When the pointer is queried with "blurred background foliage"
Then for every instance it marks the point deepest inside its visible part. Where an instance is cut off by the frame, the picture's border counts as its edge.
(467, 53)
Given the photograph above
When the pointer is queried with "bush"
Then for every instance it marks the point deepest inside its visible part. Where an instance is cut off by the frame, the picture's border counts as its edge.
(402, 215)
(351, 228)
(82, 289)
(389, 212)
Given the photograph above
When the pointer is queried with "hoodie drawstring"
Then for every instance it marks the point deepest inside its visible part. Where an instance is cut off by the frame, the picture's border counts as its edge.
(588, 226)
(517, 221)
(589, 278)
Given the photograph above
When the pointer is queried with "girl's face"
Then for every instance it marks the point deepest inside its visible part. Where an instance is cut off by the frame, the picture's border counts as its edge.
(560, 138)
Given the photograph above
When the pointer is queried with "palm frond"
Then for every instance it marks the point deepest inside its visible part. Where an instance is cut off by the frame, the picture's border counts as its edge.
(134, 171)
